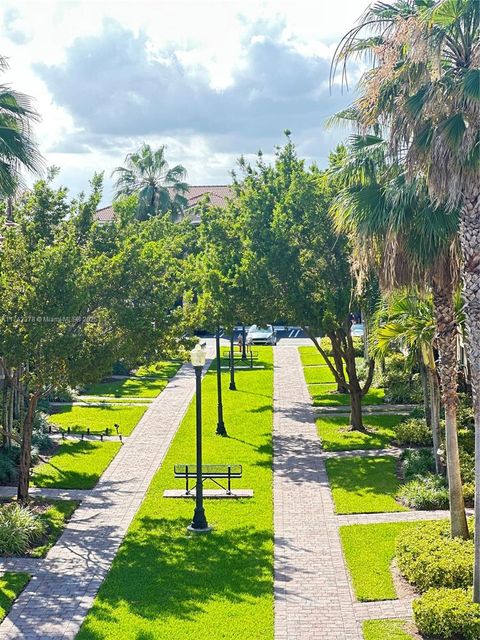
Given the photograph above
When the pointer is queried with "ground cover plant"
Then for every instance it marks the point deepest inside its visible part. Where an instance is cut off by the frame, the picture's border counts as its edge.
(164, 583)
(97, 419)
(336, 436)
(325, 395)
(32, 530)
(364, 485)
(11, 586)
(383, 629)
(369, 550)
(76, 465)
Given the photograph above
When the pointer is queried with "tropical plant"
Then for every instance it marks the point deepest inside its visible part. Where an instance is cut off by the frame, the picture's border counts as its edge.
(18, 150)
(411, 242)
(159, 187)
(20, 527)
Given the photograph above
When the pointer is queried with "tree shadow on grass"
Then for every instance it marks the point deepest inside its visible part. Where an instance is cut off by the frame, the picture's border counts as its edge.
(162, 572)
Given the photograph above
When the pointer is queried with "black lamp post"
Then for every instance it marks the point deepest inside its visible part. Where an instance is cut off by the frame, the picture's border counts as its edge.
(232, 386)
(199, 523)
(244, 345)
(221, 431)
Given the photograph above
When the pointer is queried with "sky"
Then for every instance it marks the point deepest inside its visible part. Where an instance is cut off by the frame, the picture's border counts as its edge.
(210, 80)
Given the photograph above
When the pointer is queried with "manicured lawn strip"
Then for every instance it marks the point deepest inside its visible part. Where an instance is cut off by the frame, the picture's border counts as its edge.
(11, 586)
(369, 550)
(328, 397)
(166, 584)
(163, 369)
(108, 400)
(310, 355)
(364, 485)
(97, 419)
(55, 517)
(383, 629)
(134, 387)
(336, 436)
(76, 465)
(318, 375)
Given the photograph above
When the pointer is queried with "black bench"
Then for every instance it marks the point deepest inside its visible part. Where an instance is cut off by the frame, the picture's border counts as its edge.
(212, 472)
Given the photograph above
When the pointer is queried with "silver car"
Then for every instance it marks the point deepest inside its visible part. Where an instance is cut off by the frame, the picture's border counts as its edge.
(262, 335)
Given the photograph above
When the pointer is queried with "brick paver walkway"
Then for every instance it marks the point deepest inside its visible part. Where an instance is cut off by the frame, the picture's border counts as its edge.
(64, 585)
(313, 597)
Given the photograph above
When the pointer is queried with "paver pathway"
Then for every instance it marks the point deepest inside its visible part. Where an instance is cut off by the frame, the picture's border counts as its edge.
(313, 597)
(64, 585)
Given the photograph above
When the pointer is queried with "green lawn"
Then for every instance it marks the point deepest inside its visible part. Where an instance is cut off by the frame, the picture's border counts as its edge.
(325, 395)
(163, 369)
(166, 584)
(55, 517)
(76, 465)
(11, 586)
(385, 630)
(128, 387)
(369, 550)
(310, 355)
(97, 419)
(364, 485)
(336, 436)
(318, 375)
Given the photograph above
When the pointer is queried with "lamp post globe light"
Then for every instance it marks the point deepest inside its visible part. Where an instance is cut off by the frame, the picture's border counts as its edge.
(199, 523)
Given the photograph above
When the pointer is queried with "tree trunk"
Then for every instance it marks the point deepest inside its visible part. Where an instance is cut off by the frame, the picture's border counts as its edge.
(447, 332)
(435, 418)
(356, 416)
(26, 450)
(470, 242)
(337, 358)
(427, 393)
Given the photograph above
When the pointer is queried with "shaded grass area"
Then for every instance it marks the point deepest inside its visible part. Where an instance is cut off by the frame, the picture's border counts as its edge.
(106, 401)
(364, 485)
(76, 465)
(11, 586)
(386, 629)
(55, 517)
(163, 369)
(325, 395)
(97, 419)
(369, 550)
(134, 387)
(336, 436)
(166, 584)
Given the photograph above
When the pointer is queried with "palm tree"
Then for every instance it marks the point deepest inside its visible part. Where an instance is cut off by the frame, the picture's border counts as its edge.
(408, 319)
(395, 226)
(18, 150)
(159, 187)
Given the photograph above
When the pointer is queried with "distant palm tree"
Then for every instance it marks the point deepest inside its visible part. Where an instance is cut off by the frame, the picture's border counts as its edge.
(148, 175)
(18, 150)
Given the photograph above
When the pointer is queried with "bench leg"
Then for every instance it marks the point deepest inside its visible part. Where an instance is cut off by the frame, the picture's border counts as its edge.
(229, 482)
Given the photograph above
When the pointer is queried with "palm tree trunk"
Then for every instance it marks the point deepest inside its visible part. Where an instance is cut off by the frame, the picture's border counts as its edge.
(26, 450)
(447, 332)
(427, 393)
(435, 417)
(470, 242)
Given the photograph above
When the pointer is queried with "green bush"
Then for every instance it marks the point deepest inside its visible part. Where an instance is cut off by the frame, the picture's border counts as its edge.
(425, 493)
(417, 462)
(469, 493)
(400, 384)
(8, 469)
(19, 529)
(413, 431)
(447, 614)
(429, 558)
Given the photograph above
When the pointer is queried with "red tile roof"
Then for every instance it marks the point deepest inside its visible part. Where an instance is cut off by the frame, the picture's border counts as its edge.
(218, 193)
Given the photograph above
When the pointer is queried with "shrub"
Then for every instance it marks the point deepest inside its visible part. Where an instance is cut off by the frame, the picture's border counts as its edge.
(429, 558)
(399, 383)
(413, 431)
(8, 469)
(469, 493)
(425, 493)
(417, 462)
(120, 368)
(19, 529)
(467, 466)
(448, 614)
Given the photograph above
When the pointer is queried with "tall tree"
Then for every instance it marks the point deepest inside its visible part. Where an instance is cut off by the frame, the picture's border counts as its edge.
(18, 150)
(159, 187)
(411, 242)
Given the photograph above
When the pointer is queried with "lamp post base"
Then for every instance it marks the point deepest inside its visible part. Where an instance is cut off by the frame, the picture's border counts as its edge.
(221, 431)
(192, 529)
(232, 386)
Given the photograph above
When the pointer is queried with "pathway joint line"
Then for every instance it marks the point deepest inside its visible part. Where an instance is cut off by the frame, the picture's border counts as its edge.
(55, 602)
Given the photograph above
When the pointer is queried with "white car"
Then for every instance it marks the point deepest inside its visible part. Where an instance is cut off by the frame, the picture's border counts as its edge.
(357, 331)
(262, 335)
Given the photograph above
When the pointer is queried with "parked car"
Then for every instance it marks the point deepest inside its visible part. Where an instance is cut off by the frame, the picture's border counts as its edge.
(262, 335)
(357, 331)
